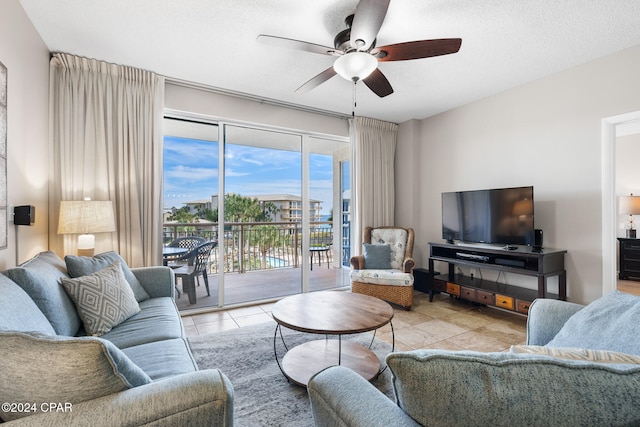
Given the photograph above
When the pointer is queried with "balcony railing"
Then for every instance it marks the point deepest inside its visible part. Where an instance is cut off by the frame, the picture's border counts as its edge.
(253, 246)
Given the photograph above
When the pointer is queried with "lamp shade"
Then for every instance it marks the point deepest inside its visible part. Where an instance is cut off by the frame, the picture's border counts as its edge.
(629, 205)
(86, 217)
(355, 66)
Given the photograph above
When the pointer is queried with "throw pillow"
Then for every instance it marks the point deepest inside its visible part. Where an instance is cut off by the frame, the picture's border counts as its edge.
(19, 312)
(376, 257)
(78, 266)
(602, 356)
(40, 278)
(608, 323)
(40, 369)
(103, 299)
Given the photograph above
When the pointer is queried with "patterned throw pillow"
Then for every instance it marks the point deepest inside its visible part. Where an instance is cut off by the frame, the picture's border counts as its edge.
(104, 299)
(78, 266)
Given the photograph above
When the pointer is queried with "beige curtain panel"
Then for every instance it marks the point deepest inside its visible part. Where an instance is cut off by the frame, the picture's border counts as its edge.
(373, 145)
(106, 144)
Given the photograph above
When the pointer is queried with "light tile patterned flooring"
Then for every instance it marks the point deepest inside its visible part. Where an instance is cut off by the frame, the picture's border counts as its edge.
(445, 323)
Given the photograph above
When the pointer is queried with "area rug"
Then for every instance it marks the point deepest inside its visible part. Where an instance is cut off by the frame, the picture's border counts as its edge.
(263, 397)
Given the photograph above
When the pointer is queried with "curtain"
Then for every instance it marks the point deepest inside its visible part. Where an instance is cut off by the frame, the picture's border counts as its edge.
(106, 144)
(373, 145)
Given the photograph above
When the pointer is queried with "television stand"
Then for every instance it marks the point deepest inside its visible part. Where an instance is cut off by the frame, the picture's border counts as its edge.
(541, 264)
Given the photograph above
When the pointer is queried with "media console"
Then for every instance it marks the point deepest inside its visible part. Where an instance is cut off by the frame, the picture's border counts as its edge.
(523, 260)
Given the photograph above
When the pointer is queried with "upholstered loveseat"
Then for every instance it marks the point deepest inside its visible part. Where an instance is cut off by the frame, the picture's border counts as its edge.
(580, 367)
(138, 370)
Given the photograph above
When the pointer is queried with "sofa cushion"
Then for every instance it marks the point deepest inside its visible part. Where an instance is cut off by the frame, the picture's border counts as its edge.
(506, 389)
(602, 356)
(157, 320)
(382, 277)
(19, 312)
(38, 369)
(162, 359)
(40, 278)
(81, 266)
(104, 299)
(377, 257)
(608, 323)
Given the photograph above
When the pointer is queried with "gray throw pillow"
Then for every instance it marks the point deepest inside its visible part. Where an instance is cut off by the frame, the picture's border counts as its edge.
(19, 312)
(40, 278)
(103, 299)
(78, 266)
(40, 369)
(608, 323)
(376, 257)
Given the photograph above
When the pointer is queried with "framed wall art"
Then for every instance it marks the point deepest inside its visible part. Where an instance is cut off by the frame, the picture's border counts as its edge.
(3, 156)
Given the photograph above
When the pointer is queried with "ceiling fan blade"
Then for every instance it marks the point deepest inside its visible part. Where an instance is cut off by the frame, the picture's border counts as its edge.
(317, 80)
(367, 22)
(417, 49)
(378, 83)
(298, 44)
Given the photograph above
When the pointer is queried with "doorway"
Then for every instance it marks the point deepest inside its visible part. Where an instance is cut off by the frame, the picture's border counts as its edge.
(612, 128)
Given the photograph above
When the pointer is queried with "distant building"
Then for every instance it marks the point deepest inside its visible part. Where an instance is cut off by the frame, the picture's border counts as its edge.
(289, 206)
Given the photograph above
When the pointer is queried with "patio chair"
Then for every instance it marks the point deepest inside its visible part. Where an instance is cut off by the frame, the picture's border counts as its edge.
(197, 265)
(385, 270)
(189, 243)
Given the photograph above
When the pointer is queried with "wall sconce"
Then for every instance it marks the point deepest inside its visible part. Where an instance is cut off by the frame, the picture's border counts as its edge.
(85, 218)
(630, 205)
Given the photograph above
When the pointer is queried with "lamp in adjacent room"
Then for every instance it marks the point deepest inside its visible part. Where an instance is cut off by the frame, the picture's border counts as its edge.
(85, 218)
(630, 205)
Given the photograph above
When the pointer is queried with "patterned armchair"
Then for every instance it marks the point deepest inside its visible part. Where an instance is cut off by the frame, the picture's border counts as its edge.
(385, 269)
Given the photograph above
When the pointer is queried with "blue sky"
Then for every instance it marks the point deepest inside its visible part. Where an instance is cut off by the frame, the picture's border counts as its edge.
(191, 172)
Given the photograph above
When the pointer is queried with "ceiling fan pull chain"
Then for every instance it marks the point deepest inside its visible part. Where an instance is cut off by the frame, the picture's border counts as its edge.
(353, 110)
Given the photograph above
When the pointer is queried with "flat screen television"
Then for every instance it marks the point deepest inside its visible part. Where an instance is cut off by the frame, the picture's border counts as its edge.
(496, 216)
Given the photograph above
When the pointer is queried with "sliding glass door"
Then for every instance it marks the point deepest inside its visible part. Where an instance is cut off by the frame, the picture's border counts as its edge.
(262, 214)
(271, 200)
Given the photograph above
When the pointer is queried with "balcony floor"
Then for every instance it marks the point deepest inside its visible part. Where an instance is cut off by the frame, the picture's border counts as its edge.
(262, 285)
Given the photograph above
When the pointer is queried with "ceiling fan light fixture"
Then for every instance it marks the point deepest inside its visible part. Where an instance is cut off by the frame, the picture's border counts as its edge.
(355, 66)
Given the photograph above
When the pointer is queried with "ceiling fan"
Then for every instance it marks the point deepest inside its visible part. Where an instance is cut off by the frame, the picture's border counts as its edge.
(356, 51)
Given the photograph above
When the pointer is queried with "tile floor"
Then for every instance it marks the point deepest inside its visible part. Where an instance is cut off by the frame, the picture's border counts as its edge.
(445, 323)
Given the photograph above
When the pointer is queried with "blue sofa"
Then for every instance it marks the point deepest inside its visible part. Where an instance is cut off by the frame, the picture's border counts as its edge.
(579, 367)
(139, 372)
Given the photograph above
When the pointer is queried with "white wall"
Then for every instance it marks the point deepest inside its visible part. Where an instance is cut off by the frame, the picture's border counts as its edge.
(546, 134)
(26, 57)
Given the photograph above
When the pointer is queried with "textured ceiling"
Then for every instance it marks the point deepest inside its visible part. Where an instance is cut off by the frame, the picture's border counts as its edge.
(505, 43)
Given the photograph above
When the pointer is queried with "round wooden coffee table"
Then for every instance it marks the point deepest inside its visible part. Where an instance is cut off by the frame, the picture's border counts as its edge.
(329, 313)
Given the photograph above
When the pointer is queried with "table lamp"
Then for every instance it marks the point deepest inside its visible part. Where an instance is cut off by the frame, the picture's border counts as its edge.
(630, 205)
(86, 217)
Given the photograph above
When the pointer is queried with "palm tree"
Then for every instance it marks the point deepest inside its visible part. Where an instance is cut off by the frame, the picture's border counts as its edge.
(265, 237)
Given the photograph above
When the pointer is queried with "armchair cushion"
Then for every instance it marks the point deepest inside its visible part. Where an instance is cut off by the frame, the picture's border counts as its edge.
(40, 369)
(78, 266)
(396, 238)
(376, 257)
(608, 323)
(104, 299)
(382, 277)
